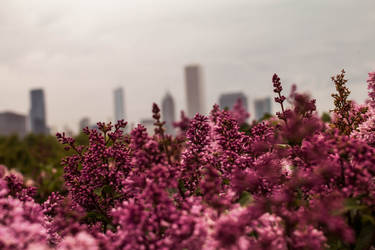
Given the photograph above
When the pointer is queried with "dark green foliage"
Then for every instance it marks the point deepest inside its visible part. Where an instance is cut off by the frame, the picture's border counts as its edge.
(326, 117)
(82, 139)
(37, 157)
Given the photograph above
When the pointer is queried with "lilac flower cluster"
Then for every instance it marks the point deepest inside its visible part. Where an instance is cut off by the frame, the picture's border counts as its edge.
(289, 182)
(21, 219)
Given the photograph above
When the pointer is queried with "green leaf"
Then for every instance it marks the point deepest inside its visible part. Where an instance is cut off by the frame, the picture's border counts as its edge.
(226, 181)
(283, 146)
(337, 245)
(181, 186)
(365, 238)
(368, 218)
(172, 191)
(94, 216)
(98, 191)
(107, 189)
(245, 198)
(353, 205)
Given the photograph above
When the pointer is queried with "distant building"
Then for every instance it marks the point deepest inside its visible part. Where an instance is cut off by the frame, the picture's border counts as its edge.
(93, 126)
(68, 131)
(262, 107)
(119, 104)
(194, 90)
(38, 112)
(83, 123)
(229, 100)
(168, 113)
(149, 125)
(12, 123)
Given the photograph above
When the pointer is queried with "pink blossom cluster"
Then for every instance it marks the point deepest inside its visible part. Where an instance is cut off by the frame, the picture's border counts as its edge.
(290, 182)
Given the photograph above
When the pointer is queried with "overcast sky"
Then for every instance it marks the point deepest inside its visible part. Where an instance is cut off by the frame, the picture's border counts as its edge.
(78, 51)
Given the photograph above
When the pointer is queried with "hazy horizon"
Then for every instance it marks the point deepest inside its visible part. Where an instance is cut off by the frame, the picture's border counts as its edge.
(80, 51)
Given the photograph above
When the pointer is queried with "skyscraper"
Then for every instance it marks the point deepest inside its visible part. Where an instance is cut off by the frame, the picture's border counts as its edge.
(119, 104)
(168, 113)
(194, 90)
(12, 123)
(229, 100)
(262, 107)
(38, 112)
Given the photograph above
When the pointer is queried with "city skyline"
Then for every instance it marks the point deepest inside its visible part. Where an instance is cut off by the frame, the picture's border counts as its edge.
(78, 56)
(38, 107)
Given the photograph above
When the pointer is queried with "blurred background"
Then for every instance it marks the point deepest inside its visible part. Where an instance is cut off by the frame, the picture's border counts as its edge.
(62, 61)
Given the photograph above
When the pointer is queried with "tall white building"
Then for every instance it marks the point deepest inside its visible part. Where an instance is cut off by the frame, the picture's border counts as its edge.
(119, 104)
(168, 113)
(229, 100)
(194, 90)
(262, 107)
(38, 112)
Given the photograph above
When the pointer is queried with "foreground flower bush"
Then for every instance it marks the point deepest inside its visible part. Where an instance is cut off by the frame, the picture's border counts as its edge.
(290, 182)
